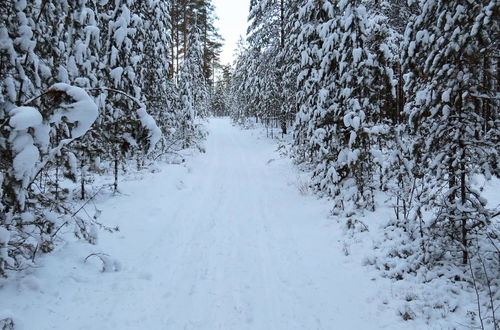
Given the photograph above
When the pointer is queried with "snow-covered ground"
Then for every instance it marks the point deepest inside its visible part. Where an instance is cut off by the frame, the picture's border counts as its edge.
(228, 240)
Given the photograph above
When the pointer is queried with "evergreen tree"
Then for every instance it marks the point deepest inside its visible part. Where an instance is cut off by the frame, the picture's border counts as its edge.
(193, 93)
(273, 54)
(49, 53)
(451, 59)
(316, 21)
(194, 16)
(238, 96)
(219, 99)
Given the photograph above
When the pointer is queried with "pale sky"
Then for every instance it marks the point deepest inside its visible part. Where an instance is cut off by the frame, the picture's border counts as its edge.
(232, 24)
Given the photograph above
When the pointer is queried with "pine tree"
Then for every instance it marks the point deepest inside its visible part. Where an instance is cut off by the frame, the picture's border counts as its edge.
(194, 16)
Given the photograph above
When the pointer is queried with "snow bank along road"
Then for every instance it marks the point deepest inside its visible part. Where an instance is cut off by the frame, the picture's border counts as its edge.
(224, 242)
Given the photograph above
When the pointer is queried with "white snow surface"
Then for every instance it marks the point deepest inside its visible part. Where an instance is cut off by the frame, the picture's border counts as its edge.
(229, 239)
(22, 118)
(83, 111)
(149, 122)
(4, 236)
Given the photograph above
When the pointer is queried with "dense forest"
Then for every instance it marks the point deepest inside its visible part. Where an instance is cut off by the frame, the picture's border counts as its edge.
(86, 88)
(393, 96)
(386, 102)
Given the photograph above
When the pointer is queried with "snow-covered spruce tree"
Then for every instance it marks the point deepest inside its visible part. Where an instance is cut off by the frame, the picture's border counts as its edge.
(123, 127)
(338, 102)
(245, 86)
(315, 18)
(43, 122)
(17, 62)
(28, 144)
(451, 55)
(263, 39)
(249, 85)
(219, 98)
(20, 66)
(383, 41)
(238, 98)
(270, 42)
(269, 88)
(193, 94)
(157, 89)
(353, 113)
(30, 147)
(218, 103)
(195, 65)
(70, 43)
(396, 175)
(289, 61)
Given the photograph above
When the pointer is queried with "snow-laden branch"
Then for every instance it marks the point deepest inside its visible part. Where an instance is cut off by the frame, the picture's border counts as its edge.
(30, 135)
(144, 117)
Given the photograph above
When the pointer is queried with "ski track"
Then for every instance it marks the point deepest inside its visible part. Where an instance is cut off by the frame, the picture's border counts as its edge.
(226, 242)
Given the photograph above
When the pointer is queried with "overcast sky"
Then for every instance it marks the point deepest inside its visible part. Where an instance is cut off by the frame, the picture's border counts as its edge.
(232, 24)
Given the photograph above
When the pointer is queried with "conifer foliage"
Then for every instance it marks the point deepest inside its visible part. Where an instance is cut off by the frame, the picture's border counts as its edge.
(389, 96)
(87, 87)
(451, 58)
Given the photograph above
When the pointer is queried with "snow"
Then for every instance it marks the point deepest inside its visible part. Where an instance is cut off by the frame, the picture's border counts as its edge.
(411, 48)
(25, 144)
(421, 97)
(352, 138)
(116, 74)
(26, 34)
(120, 35)
(24, 162)
(62, 74)
(4, 236)
(26, 154)
(356, 54)
(356, 122)
(446, 95)
(148, 121)
(80, 51)
(10, 88)
(21, 5)
(114, 56)
(229, 240)
(6, 44)
(72, 162)
(83, 111)
(22, 118)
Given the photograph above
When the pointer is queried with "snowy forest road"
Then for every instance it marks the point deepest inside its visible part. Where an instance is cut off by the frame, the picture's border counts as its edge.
(225, 242)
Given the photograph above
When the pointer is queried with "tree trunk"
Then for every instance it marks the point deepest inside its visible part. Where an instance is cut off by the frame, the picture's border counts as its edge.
(115, 184)
(82, 181)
